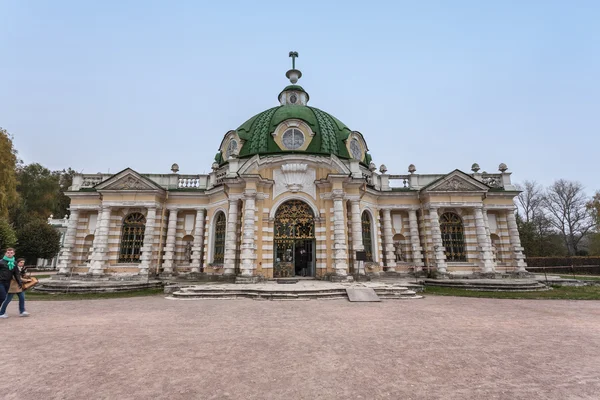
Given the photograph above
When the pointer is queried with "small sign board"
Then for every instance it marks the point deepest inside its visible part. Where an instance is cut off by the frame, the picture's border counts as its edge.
(361, 256)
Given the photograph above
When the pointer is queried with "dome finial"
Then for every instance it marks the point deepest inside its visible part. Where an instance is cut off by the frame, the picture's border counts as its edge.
(293, 74)
(293, 54)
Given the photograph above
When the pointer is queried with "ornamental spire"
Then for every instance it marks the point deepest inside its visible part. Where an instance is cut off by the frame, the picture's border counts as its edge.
(293, 74)
(293, 55)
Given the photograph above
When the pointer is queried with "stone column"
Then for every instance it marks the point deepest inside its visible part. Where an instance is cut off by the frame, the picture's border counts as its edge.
(486, 262)
(100, 253)
(146, 256)
(439, 256)
(488, 235)
(415, 241)
(66, 254)
(515, 242)
(357, 239)
(231, 238)
(388, 240)
(169, 249)
(340, 249)
(198, 240)
(248, 256)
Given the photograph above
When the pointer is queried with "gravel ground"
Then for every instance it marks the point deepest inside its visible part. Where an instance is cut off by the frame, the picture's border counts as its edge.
(435, 348)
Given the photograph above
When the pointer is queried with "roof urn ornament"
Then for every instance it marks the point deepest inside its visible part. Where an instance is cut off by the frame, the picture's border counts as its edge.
(215, 166)
(502, 167)
(412, 169)
(372, 167)
(383, 169)
(293, 74)
(175, 168)
(475, 167)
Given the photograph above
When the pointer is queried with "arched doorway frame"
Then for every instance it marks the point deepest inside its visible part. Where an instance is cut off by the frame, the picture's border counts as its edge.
(294, 245)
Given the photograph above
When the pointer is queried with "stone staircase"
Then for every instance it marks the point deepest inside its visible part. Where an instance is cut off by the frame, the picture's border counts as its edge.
(276, 292)
(489, 285)
(96, 286)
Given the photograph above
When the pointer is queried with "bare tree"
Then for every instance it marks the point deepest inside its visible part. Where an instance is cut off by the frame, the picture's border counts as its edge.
(568, 211)
(530, 201)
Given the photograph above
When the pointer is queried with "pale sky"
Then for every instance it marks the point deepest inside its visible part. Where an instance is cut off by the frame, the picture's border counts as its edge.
(106, 85)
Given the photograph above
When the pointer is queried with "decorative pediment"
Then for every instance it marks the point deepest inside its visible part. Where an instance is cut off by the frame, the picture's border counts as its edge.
(128, 180)
(296, 177)
(456, 181)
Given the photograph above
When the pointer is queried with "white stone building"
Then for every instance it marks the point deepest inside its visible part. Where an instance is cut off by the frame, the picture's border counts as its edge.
(293, 191)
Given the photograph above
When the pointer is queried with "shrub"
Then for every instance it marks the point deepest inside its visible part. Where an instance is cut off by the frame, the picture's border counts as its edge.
(36, 240)
(8, 237)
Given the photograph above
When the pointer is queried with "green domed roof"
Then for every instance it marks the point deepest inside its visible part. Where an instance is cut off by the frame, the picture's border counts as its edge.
(330, 134)
(295, 88)
(329, 138)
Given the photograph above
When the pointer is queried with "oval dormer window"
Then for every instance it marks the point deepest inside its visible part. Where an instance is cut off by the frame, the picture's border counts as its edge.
(231, 148)
(355, 149)
(293, 98)
(293, 139)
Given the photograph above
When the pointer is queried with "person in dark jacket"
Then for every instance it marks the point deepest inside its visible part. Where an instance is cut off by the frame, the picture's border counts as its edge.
(8, 271)
(15, 289)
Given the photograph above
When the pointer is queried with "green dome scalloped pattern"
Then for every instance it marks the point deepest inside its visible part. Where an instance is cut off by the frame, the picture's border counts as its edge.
(330, 133)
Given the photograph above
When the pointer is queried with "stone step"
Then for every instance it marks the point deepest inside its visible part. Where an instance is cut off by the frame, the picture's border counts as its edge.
(216, 293)
(95, 287)
(492, 287)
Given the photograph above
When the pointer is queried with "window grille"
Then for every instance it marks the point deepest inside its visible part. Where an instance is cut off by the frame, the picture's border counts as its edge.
(132, 238)
(453, 237)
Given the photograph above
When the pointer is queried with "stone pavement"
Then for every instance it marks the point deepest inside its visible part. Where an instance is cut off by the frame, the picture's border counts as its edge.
(435, 348)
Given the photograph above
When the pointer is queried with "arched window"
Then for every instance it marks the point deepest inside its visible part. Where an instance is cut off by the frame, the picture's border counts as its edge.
(367, 236)
(219, 246)
(453, 238)
(132, 238)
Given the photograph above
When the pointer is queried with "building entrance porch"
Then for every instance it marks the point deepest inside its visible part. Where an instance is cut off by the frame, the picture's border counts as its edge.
(294, 240)
(294, 258)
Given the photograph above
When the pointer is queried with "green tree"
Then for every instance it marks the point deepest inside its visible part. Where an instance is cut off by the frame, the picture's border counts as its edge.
(37, 239)
(8, 180)
(63, 202)
(39, 190)
(8, 237)
(41, 193)
(594, 207)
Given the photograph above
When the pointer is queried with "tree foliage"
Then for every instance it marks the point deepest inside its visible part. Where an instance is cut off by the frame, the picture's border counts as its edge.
(65, 181)
(37, 239)
(556, 221)
(8, 237)
(594, 207)
(39, 190)
(41, 193)
(8, 181)
(530, 201)
(569, 213)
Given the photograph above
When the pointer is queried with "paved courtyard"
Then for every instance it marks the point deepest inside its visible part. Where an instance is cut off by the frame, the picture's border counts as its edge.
(435, 348)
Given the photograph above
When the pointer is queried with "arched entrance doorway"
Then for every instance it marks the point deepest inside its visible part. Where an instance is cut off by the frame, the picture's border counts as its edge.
(294, 238)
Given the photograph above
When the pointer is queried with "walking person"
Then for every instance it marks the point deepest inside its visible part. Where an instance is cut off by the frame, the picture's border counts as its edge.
(8, 271)
(15, 288)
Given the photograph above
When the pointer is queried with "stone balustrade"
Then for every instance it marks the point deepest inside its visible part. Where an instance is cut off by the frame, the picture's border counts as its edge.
(188, 182)
(399, 181)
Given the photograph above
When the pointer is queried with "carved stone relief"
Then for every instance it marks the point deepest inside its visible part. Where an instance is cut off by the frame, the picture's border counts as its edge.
(454, 185)
(295, 178)
(129, 183)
